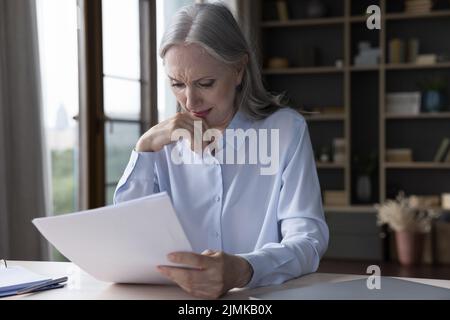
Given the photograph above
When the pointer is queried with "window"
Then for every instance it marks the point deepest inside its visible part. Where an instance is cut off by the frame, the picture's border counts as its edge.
(58, 50)
(121, 86)
(57, 25)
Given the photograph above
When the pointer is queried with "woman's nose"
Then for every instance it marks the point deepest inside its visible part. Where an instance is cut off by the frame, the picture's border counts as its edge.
(193, 99)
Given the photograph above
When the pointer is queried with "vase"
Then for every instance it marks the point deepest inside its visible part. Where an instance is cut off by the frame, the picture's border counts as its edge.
(432, 101)
(409, 247)
(364, 188)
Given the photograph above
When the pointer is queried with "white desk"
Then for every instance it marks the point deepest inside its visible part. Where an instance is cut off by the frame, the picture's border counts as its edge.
(83, 286)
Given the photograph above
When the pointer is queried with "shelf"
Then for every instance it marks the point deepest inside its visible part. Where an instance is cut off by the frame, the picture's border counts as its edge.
(353, 19)
(325, 117)
(400, 66)
(364, 68)
(351, 209)
(330, 165)
(304, 22)
(413, 66)
(417, 165)
(404, 15)
(420, 116)
(358, 18)
(309, 70)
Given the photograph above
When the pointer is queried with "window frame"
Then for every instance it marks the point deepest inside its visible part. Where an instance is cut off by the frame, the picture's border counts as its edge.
(92, 119)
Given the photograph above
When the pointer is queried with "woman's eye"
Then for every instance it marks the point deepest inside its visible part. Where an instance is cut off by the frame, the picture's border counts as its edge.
(177, 85)
(207, 84)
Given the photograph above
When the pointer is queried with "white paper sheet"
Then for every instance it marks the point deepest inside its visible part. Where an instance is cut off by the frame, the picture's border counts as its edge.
(16, 276)
(122, 243)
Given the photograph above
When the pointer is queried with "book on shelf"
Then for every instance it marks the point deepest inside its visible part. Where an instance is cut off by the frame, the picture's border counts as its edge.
(447, 157)
(399, 155)
(426, 59)
(396, 51)
(282, 10)
(441, 153)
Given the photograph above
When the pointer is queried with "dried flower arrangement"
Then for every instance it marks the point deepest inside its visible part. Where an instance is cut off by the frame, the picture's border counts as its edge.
(407, 214)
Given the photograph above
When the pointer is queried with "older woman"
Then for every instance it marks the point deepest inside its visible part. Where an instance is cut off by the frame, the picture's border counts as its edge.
(246, 227)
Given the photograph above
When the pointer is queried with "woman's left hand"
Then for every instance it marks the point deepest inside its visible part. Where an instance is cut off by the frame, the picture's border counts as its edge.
(213, 273)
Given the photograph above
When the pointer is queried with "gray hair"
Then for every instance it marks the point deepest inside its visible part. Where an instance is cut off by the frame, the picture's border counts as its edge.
(213, 27)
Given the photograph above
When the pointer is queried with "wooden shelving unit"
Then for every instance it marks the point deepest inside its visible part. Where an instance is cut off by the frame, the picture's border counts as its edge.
(294, 71)
(351, 209)
(416, 165)
(325, 117)
(301, 23)
(423, 116)
(411, 66)
(428, 15)
(330, 165)
(362, 90)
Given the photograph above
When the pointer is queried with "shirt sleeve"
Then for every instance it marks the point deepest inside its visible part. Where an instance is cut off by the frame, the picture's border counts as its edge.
(139, 178)
(304, 231)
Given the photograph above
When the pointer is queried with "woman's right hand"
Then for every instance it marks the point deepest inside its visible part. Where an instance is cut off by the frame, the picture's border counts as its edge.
(160, 135)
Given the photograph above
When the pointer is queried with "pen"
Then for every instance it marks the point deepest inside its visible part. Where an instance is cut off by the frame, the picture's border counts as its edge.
(42, 285)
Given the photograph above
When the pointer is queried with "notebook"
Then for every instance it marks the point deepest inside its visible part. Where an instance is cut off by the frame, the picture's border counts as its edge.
(391, 289)
(16, 278)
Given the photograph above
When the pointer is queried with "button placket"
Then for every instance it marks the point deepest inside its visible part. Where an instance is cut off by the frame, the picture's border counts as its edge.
(218, 203)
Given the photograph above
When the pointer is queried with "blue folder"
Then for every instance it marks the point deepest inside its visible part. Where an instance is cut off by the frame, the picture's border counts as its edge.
(18, 280)
(14, 290)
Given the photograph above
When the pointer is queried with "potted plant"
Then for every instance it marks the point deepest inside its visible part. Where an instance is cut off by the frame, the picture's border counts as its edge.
(411, 219)
(433, 94)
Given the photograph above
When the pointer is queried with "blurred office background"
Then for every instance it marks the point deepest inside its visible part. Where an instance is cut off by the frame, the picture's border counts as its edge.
(80, 81)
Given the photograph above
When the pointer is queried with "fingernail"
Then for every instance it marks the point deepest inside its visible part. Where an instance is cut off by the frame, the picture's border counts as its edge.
(161, 269)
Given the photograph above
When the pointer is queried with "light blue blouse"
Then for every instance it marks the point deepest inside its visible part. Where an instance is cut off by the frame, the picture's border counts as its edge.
(274, 221)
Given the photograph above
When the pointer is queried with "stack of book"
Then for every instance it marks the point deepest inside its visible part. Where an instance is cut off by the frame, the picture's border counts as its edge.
(443, 152)
(418, 6)
(282, 10)
(396, 51)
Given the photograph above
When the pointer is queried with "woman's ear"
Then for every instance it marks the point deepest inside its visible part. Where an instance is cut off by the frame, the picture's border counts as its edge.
(241, 69)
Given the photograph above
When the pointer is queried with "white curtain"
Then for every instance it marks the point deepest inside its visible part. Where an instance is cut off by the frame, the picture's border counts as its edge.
(22, 187)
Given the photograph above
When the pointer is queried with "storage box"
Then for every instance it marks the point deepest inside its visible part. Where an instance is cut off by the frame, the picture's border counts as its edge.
(403, 103)
(335, 198)
(399, 155)
(445, 200)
